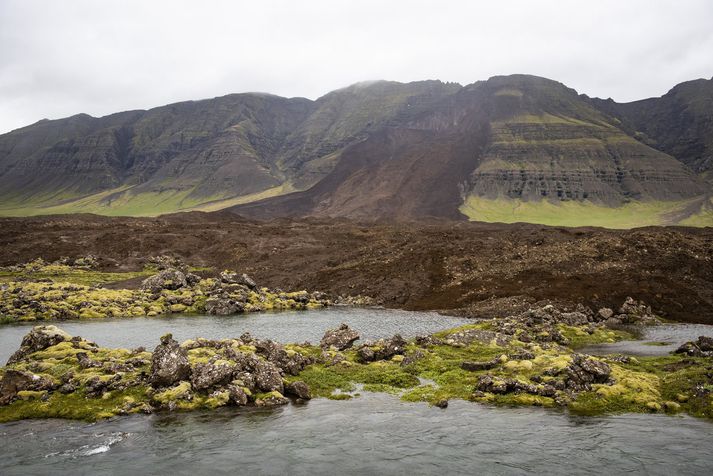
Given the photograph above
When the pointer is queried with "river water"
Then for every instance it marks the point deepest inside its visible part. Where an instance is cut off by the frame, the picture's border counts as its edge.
(370, 434)
(285, 327)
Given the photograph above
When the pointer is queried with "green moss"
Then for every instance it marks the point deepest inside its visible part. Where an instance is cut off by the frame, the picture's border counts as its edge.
(75, 406)
(323, 381)
(579, 337)
(580, 213)
(339, 396)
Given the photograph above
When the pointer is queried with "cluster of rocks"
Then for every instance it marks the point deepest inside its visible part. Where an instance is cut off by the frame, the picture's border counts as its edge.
(39, 265)
(240, 371)
(631, 312)
(343, 337)
(701, 347)
(239, 376)
(540, 324)
(231, 293)
(171, 290)
(162, 262)
(578, 376)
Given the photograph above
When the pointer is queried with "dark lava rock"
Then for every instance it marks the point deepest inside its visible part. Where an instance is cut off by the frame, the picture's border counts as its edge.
(39, 338)
(584, 371)
(15, 381)
(382, 349)
(231, 277)
(605, 313)
(171, 279)
(702, 347)
(223, 306)
(169, 363)
(635, 312)
(443, 403)
(298, 389)
(412, 357)
(237, 395)
(488, 383)
(267, 377)
(85, 362)
(289, 362)
(341, 338)
(272, 400)
(209, 375)
(477, 366)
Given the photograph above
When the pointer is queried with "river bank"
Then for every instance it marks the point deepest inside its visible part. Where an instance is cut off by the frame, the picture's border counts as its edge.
(527, 359)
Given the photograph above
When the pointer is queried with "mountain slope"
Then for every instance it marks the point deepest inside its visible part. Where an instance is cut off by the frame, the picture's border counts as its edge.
(494, 145)
(512, 148)
(679, 123)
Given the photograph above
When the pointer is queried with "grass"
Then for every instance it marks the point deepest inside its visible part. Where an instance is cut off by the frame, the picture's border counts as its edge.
(576, 213)
(66, 274)
(124, 202)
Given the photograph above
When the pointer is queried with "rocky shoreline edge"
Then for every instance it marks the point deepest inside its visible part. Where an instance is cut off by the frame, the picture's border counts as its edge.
(524, 359)
(63, 290)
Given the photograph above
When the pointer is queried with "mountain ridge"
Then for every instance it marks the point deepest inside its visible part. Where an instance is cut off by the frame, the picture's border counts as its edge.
(373, 149)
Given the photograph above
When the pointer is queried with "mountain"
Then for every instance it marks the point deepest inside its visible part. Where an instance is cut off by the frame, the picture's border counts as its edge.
(512, 148)
(515, 148)
(679, 123)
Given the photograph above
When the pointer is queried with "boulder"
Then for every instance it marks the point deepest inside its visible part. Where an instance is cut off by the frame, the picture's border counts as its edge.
(15, 381)
(223, 306)
(267, 377)
(382, 350)
(605, 313)
(170, 279)
(39, 338)
(209, 375)
(702, 347)
(271, 399)
(341, 338)
(584, 371)
(298, 389)
(237, 395)
(169, 363)
(289, 362)
(477, 366)
(231, 277)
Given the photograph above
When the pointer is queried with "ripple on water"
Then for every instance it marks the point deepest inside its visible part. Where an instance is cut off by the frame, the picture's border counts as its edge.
(374, 433)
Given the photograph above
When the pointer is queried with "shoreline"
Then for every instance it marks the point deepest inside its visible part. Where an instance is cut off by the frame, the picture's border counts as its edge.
(522, 360)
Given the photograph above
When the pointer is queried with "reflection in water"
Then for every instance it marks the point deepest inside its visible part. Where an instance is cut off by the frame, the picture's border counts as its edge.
(372, 434)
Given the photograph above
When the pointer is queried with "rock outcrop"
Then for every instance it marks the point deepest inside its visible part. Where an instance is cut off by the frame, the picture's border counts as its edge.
(701, 347)
(383, 349)
(340, 338)
(169, 363)
(39, 338)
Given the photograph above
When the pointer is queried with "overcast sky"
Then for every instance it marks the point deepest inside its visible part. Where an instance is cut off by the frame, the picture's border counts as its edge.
(58, 58)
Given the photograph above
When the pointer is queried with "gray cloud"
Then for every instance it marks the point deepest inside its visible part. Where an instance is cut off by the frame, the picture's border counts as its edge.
(61, 58)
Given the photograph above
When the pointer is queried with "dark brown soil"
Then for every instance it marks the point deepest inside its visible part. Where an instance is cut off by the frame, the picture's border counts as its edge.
(472, 268)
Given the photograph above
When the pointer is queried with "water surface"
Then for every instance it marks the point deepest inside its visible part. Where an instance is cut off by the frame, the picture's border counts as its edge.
(371, 434)
(285, 327)
(655, 340)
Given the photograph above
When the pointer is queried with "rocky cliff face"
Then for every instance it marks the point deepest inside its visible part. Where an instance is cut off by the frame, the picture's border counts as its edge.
(679, 123)
(372, 150)
(515, 138)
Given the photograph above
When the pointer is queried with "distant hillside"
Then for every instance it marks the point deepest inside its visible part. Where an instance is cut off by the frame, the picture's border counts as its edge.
(513, 148)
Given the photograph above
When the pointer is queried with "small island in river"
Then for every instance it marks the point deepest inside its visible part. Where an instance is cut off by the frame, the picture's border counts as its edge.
(527, 358)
